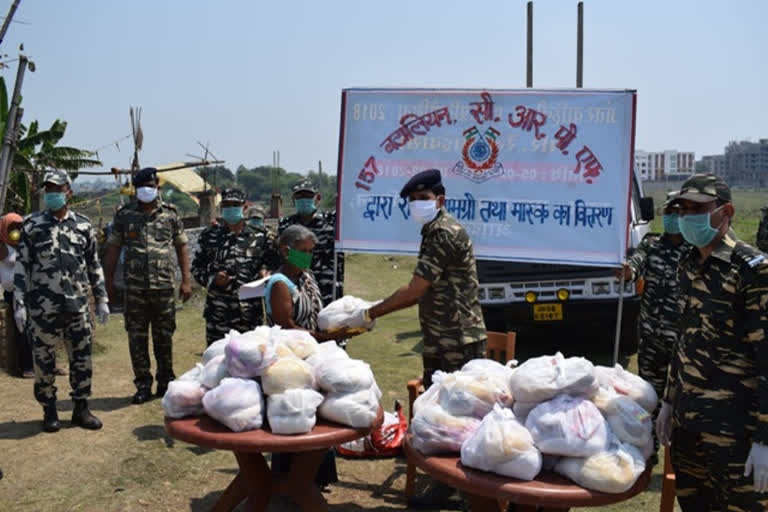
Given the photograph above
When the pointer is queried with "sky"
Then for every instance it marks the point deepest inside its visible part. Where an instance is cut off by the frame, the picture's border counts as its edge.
(251, 77)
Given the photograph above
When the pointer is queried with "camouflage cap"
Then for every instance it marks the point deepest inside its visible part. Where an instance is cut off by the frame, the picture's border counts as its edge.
(672, 197)
(233, 195)
(57, 177)
(305, 185)
(255, 211)
(703, 188)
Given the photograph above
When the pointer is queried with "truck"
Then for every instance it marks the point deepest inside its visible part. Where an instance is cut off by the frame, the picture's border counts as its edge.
(516, 296)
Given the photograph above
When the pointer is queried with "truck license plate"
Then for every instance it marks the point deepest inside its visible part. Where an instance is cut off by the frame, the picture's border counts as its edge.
(546, 312)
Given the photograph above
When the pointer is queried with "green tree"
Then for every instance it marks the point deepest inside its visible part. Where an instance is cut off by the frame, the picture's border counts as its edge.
(217, 176)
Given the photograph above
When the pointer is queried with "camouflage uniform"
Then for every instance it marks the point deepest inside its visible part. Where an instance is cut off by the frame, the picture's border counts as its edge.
(149, 241)
(323, 225)
(656, 260)
(449, 312)
(718, 383)
(242, 255)
(56, 266)
(762, 231)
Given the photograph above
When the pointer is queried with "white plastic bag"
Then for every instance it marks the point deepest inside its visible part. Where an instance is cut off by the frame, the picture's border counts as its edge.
(326, 351)
(523, 409)
(627, 383)
(569, 426)
(488, 367)
(183, 398)
(293, 412)
(358, 409)
(431, 395)
(287, 373)
(214, 371)
(237, 403)
(217, 347)
(343, 375)
(466, 394)
(614, 470)
(300, 342)
(542, 378)
(436, 431)
(502, 445)
(335, 314)
(193, 374)
(250, 354)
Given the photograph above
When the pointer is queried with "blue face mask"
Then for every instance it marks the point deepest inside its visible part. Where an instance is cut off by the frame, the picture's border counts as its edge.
(697, 229)
(257, 223)
(305, 206)
(55, 200)
(671, 223)
(232, 214)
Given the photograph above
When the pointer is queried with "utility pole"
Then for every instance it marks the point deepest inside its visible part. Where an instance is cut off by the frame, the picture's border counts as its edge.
(8, 19)
(580, 46)
(529, 48)
(11, 129)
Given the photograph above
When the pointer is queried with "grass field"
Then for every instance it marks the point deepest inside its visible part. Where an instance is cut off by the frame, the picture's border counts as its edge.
(132, 465)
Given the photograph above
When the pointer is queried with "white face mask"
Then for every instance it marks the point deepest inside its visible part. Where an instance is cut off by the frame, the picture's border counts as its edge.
(146, 194)
(424, 211)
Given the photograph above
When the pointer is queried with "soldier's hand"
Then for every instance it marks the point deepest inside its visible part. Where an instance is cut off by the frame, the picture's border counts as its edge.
(222, 279)
(757, 462)
(185, 291)
(664, 424)
(626, 269)
(264, 273)
(20, 315)
(102, 311)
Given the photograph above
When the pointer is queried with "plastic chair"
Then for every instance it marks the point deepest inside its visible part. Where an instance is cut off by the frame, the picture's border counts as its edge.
(668, 486)
(500, 348)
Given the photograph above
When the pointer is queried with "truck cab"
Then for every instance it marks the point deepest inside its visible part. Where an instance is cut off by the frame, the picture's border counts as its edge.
(517, 295)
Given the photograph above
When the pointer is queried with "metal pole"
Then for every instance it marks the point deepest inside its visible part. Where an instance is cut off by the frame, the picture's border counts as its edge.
(8, 19)
(11, 127)
(580, 47)
(529, 60)
(618, 320)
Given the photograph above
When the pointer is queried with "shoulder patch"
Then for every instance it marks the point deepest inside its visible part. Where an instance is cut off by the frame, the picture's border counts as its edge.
(748, 256)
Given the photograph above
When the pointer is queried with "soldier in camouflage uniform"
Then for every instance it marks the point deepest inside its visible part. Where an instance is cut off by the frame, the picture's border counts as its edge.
(762, 231)
(150, 231)
(715, 408)
(323, 225)
(232, 253)
(56, 267)
(655, 261)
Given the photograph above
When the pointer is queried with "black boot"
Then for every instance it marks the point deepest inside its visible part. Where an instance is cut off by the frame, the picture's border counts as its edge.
(82, 417)
(142, 395)
(162, 387)
(51, 418)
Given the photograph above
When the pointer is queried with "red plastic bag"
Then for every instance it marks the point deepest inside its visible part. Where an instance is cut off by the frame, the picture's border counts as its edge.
(385, 441)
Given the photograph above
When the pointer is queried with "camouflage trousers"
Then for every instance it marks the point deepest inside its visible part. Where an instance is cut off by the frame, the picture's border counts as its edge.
(656, 341)
(74, 329)
(709, 472)
(158, 309)
(224, 312)
(449, 356)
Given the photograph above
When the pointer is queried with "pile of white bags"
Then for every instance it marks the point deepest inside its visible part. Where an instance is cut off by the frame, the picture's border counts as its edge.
(237, 403)
(502, 445)
(473, 394)
(290, 364)
(436, 431)
(568, 425)
(626, 383)
(614, 469)
(541, 378)
(337, 313)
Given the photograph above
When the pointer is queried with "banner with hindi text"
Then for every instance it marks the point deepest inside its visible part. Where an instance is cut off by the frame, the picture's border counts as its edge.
(533, 175)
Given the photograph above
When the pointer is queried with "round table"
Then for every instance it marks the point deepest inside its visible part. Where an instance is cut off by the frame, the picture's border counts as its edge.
(549, 492)
(254, 480)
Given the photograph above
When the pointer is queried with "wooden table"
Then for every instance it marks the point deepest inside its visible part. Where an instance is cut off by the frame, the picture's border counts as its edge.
(549, 492)
(254, 480)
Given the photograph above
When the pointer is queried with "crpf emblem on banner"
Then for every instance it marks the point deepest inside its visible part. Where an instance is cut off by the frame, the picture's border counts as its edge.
(479, 156)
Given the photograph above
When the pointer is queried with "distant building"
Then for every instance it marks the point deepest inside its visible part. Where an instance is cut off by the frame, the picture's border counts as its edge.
(714, 164)
(746, 163)
(664, 165)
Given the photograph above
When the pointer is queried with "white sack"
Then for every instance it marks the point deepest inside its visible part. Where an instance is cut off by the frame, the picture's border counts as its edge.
(326, 351)
(431, 395)
(523, 409)
(183, 398)
(542, 378)
(217, 347)
(343, 375)
(214, 371)
(338, 312)
(488, 367)
(287, 373)
(193, 374)
(293, 412)
(436, 431)
(569, 426)
(464, 394)
(237, 403)
(627, 383)
(300, 342)
(250, 354)
(630, 422)
(502, 445)
(614, 470)
(358, 409)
